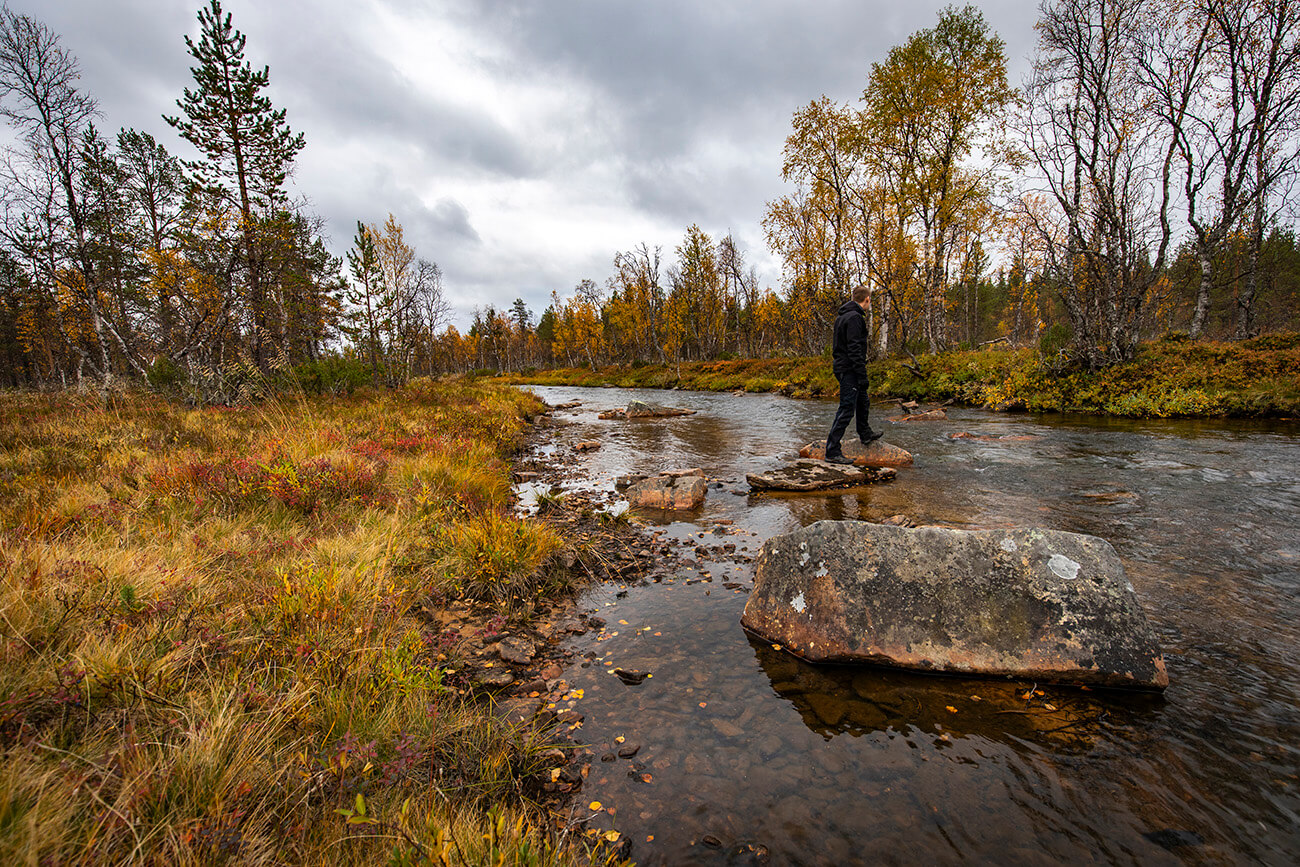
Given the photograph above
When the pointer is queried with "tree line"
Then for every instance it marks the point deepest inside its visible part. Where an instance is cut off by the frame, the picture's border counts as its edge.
(1140, 182)
(119, 259)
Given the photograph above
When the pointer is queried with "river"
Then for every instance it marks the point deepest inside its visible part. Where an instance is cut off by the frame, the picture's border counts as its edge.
(744, 754)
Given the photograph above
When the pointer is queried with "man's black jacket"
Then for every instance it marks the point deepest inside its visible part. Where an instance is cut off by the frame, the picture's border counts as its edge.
(849, 344)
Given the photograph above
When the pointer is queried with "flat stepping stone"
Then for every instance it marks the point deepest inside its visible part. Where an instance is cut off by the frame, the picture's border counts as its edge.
(878, 454)
(808, 474)
(640, 409)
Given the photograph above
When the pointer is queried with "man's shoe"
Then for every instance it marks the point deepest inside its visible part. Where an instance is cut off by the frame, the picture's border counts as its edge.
(839, 459)
(873, 437)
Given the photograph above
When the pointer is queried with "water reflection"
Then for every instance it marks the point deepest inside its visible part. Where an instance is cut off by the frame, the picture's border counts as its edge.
(834, 700)
(749, 750)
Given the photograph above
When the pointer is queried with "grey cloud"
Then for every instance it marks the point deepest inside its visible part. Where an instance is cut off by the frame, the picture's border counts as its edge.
(666, 113)
(450, 218)
(342, 89)
(674, 69)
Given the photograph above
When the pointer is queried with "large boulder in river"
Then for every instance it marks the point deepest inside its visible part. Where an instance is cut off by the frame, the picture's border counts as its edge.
(878, 454)
(813, 475)
(1044, 605)
(676, 490)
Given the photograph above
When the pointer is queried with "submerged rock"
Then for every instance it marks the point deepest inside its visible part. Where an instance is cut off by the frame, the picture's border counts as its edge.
(878, 454)
(814, 475)
(928, 415)
(994, 438)
(1041, 604)
(630, 676)
(676, 490)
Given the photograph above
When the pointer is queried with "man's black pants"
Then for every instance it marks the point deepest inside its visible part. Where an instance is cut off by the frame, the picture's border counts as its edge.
(854, 401)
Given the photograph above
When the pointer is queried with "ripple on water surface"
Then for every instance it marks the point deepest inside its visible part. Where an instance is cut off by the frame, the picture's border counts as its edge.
(745, 754)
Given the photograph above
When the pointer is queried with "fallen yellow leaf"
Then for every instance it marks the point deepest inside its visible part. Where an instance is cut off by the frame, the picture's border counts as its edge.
(951, 709)
(595, 805)
(612, 836)
(1050, 706)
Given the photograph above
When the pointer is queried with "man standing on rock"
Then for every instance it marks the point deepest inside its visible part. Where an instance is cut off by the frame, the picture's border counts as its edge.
(849, 352)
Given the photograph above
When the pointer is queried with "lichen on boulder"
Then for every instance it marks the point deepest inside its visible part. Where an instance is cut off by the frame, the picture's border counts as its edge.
(1041, 604)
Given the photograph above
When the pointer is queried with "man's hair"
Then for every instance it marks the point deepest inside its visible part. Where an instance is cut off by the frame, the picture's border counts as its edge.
(860, 293)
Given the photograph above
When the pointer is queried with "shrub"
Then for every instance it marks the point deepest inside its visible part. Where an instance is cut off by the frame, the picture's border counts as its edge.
(165, 374)
(1054, 339)
(333, 375)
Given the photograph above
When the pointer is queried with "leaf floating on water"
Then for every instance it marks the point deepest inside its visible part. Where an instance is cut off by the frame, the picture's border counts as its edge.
(595, 805)
(619, 739)
(1050, 706)
(704, 704)
(951, 709)
(646, 778)
(612, 836)
(776, 647)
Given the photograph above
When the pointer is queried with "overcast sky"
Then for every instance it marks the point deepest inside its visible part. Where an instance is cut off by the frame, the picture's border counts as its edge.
(522, 143)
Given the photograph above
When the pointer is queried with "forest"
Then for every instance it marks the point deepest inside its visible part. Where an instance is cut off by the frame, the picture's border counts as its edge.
(1139, 183)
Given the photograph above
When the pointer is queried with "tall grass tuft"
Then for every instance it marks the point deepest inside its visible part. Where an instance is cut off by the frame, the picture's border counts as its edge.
(209, 646)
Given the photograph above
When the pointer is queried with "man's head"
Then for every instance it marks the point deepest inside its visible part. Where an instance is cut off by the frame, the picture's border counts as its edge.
(860, 293)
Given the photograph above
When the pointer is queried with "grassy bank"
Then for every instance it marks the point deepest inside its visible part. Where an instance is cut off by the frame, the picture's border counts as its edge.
(221, 631)
(1168, 378)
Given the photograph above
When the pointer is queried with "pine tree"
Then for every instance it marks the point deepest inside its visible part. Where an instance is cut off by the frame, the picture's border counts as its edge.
(248, 145)
(366, 298)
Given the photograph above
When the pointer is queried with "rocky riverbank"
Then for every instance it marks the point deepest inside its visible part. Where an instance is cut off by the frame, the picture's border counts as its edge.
(522, 668)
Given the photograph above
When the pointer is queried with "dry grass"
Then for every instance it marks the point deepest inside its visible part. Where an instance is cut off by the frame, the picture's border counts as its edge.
(208, 646)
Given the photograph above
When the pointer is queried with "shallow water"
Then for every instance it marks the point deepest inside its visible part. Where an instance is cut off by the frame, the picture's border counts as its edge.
(748, 755)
